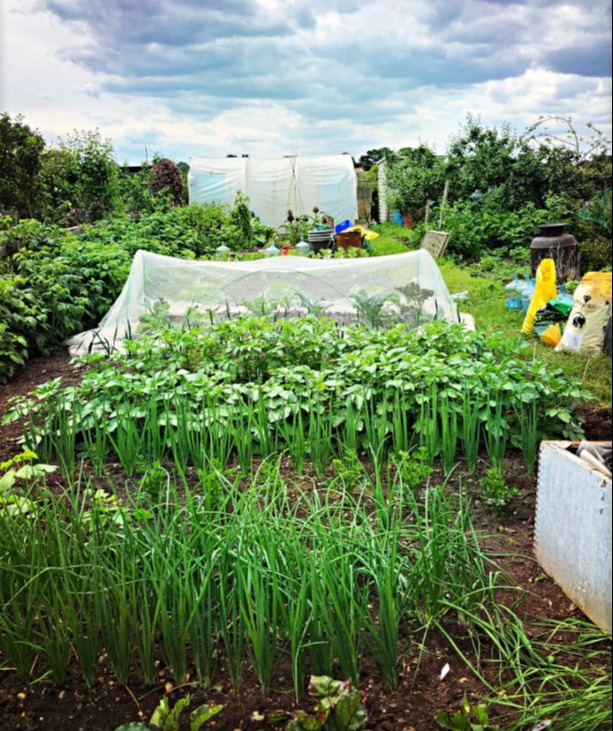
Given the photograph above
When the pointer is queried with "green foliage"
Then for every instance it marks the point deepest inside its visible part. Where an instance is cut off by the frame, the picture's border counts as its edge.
(259, 568)
(495, 492)
(418, 176)
(466, 719)
(414, 469)
(21, 150)
(348, 469)
(137, 196)
(16, 475)
(369, 159)
(502, 185)
(242, 217)
(59, 179)
(485, 228)
(15, 320)
(250, 386)
(88, 164)
(502, 266)
(13, 472)
(521, 170)
(54, 284)
(294, 229)
(166, 718)
(596, 254)
(339, 708)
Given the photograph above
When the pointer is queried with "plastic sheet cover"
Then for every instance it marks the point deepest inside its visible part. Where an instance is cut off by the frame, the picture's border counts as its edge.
(375, 292)
(277, 186)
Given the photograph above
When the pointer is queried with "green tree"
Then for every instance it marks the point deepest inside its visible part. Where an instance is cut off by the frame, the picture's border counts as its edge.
(519, 170)
(374, 156)
(96, 190)
(418, 176)
(578, 162)
(21, 149)
(184, 170)
(59, 181)
(479, 159)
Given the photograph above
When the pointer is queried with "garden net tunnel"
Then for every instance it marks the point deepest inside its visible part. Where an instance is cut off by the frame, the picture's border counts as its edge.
(276, 186)
(375, 292)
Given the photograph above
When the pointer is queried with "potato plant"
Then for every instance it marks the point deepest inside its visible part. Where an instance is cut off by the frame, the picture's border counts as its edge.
(250, 388)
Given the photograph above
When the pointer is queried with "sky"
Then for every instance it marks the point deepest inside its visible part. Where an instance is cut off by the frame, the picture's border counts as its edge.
(267, 78)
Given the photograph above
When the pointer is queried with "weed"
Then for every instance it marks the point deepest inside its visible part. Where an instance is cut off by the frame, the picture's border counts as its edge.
(495, 492)
(466, 719)
(166, 718)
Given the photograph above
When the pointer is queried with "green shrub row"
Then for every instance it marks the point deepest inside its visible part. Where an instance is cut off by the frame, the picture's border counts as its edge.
(54, 283)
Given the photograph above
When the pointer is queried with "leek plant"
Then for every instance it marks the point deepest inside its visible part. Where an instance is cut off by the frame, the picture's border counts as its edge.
(351, 427)
(246, 389)
(376, 424)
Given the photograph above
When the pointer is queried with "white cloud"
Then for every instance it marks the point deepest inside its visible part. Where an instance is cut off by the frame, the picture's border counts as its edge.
(268, 77)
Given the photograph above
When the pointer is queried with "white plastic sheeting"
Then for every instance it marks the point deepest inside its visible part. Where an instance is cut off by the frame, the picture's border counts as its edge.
(392, 289)
(274, 187)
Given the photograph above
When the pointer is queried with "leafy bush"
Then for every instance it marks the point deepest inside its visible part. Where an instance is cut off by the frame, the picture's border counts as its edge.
(478, 230)
(21, 150)
(17, 320)
(79, 180)
(502, 185)
(56, 284)
(166, 178)
(482, 228)
(417, 177)
(596, 254)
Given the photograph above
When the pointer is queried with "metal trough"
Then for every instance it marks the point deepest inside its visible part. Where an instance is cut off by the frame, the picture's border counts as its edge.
(573, 529)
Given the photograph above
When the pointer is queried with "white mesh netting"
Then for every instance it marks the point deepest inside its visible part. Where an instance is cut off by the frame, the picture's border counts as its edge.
(377, 292)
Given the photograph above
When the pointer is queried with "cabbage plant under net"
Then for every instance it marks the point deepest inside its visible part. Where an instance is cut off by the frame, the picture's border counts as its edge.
(376, 292)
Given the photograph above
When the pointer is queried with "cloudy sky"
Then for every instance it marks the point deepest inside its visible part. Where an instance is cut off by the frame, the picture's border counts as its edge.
(274, 77)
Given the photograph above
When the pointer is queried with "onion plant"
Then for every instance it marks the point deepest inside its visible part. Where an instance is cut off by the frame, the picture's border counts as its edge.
(329, 576)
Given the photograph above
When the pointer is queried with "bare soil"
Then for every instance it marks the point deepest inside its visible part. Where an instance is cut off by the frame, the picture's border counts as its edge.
(75, 707)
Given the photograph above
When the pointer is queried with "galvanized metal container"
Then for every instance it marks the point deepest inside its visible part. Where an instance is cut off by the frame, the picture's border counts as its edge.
(573, 529)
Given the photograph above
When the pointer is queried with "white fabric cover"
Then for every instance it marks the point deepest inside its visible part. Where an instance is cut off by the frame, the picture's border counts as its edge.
(217, 289)
(277, 186)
